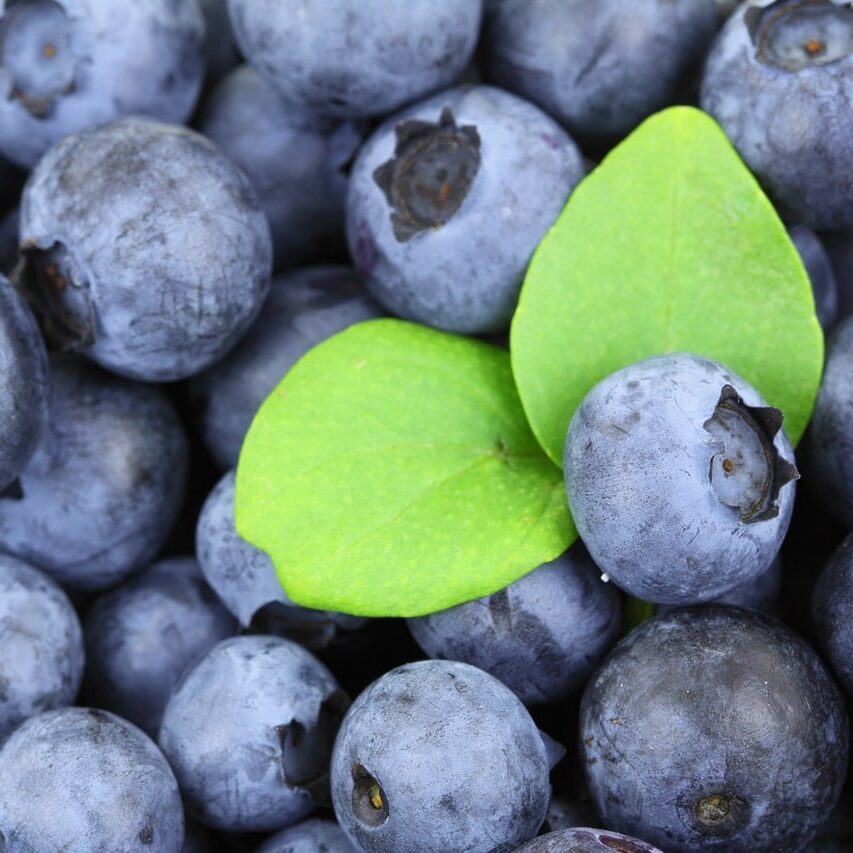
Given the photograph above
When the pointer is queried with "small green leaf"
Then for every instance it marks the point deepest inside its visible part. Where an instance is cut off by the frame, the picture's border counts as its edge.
(669, 245)
(393, 473)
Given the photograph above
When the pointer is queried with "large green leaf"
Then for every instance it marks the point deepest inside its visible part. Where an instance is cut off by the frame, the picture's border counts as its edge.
(669, 245)
(393, 473)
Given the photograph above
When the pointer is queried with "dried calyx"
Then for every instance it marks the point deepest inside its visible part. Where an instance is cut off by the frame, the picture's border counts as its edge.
(369, 803)
(747, 472)
(430, 175)
(797, 34)
(59, 300)
(36, 54)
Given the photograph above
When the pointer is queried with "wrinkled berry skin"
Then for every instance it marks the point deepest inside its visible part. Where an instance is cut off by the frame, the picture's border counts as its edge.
(142, 635)
(106, 483)
(832, 612)
(245, 580)
(584, 840)
(352, 58)
(146, 249)
(647, 479)
(714, 728)
(310, 836)
(541, 636)
(439, 755)
(774, 79)
(598, 68)
(442, 231)
(304, 308)
(105, 61)
(821, 275)
(249, 731)
(84, 779)
(41, 645)
(827, 450)
(24, 384)
(294, 159)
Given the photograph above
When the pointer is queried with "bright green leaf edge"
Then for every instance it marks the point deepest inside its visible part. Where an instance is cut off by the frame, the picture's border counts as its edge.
(584, 307)
(393, 473)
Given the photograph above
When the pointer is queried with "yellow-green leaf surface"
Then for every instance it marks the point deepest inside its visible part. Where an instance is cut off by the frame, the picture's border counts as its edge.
(393, 473)
(669, 245)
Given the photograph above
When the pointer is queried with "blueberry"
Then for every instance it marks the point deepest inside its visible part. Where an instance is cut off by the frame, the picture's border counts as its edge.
(303, 308)
(145, 249)
(774, 80)
(439, 755)
(24, 384)
(679, 479)
(311, 836)
(448, 200)
(351, 58)
(81, 779)
(295, 160)
(832, 612)
(141, 636)
(582, 840)
(41, 645)
(828, 447)
(99, 497)
(541, 636)
(714, 728)
(245, 580)
(598, 68)
(221, 49)
(249, 731)
(822, 277)
(69, 64)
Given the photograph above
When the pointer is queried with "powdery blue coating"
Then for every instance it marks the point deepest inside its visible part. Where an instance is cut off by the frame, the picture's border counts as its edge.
(460, 762)
(582, 840)
(351, 58)
(248, 732)
(167, 250)
(128, 58)
(311, 836)
(141, 636)
(786, 124)
(598, 68)
(819, 267)
(832, 612)
(465, 276)
(304, 308)
(24, 384)
(91, 783)
(106, 483)
(41, 645)
(221, 50)
(637, 461)
(828, 446)
(541, 636)
(295, 160)
(759, 593)
(714, 702)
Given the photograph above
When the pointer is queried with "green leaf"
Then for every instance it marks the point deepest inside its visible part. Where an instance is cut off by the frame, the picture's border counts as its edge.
(393, 473)
(669, 245)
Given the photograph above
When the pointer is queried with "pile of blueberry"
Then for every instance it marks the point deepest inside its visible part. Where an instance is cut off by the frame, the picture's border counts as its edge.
(194, 193)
